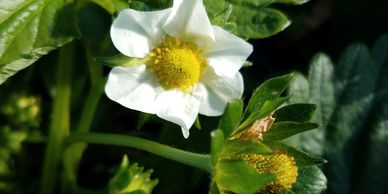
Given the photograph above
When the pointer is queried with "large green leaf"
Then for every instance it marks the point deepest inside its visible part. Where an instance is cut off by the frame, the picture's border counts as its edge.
(239, 177)
(259, 23)
(30, 29)
(347, 97)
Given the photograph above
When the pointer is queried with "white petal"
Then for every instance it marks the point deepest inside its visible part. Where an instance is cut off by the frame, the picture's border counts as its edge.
(133, 87)
(218, 91)
(135, 33)
(188, 20)
(228, 53)
(178, 107)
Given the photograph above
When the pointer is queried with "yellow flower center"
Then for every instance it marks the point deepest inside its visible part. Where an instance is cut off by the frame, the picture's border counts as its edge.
(176, 64)
(281, 165)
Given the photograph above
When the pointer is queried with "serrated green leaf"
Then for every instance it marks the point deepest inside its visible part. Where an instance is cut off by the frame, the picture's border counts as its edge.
(285, 129)
(120, 60)
(217, 143)
(268, 90)
(295, 112)
(232, 148)
(301, 158)
(310, 180)
(239, 177)
(268, 107)
(231, 117)
(259, 23)
(30, 29)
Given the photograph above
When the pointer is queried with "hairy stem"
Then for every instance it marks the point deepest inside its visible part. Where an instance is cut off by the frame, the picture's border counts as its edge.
(60, 122)
(201, 161)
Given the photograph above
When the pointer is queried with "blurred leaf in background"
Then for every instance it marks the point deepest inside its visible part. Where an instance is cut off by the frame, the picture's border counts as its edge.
(352, 107)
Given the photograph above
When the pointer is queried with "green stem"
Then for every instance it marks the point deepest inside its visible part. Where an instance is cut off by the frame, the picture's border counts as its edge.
(59, 127)
(201, 161)
(73, 153)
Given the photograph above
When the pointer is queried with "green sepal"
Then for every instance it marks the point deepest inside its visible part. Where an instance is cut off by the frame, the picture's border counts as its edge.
(217, 143)
(285, 129)
(268, 90)
(268, 107)
(247, 64)
(121, 60)
(295, 112)
(130, 178)
(301, 158)
(239, 177)
(232, 116)
(197, 123)
(233, 148)
(143, 119)
(214, 189)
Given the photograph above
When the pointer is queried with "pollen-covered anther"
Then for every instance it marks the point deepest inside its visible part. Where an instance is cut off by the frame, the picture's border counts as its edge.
(176, 64)
(281, 165)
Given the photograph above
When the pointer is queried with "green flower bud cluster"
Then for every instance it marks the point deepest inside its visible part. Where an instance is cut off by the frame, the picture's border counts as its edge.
(21, 111)
(131, 178)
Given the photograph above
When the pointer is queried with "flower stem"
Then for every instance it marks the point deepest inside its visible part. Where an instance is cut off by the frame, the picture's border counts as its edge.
(201, 161)
(59, 127)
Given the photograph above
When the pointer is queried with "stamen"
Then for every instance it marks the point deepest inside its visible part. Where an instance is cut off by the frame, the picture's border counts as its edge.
(176, 64)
